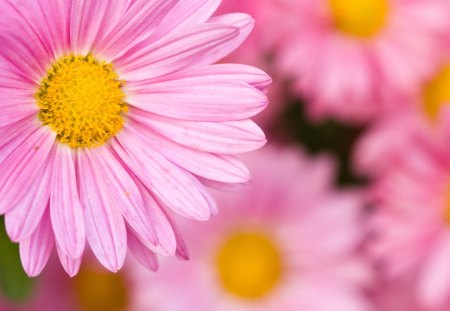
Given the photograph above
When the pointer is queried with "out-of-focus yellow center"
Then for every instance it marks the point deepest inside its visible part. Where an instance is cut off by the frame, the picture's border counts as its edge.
(437, 93)
(360, 18)
(249, 265)
(98, 290)
(81, 99)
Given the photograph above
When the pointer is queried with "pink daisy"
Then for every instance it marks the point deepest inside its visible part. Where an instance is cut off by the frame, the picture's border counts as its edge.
(411, 224)
(113, 116)
(423, 121)
(353, 58)
(285, 244)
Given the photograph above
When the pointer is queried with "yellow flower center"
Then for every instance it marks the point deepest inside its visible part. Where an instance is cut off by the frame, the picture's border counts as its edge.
(98, 290)
(249, 265)
(437, 93)
(81, 99)
(359, 18)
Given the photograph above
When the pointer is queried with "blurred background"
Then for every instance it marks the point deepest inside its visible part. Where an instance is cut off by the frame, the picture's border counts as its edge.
(349, 207)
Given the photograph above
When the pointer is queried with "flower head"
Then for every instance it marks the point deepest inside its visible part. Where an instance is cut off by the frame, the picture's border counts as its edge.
(353, 59)
(114, 116)
(283, 245)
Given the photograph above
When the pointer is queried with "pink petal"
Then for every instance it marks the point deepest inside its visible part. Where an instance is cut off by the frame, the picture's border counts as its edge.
(105, 227)
(237, 72)
(222, 168)
(185, 14)
(71, 266)
(434, 285)
(145, 256)
(243, 22)
(200, 99)
(23, 219)
(137, 23)
(166, 238)
(172, 53)
(176, 188)
(14, 135)
(65, 208)
(124, 191)
(20, 169)
(218, 137)
(36, 249)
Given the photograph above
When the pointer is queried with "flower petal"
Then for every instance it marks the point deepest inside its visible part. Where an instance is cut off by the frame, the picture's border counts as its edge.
(218, 137)
(200, 99)
(21, 167)
(124, 191)
(105, 226)
(65, 208)
(173, 53)
(176, 188)
(36, 249)
(70, 265)
(145, 256)
(222, 168)
(23, 219)
(138, 22)
(184, 14)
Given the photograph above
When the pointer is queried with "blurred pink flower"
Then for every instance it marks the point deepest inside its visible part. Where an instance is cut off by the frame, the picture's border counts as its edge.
(402, 133)
(93, 289)
(353, 58)
(411, 224)
(113, 114)
(288, 243)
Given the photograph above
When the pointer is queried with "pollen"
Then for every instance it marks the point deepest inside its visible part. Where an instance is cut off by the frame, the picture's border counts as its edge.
(81, 99)
(359, 18)
(436, 94)
(249, 265)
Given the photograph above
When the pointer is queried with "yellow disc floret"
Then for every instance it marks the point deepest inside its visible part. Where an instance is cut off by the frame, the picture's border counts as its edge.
(81, 99)
(437, 93)
(99, 290)
(360, 18)
(249, 265)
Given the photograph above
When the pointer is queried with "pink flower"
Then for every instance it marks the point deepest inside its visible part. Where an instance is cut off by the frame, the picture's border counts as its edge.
(353, 58)
(411, 224)
(113, 116)
(285, 244)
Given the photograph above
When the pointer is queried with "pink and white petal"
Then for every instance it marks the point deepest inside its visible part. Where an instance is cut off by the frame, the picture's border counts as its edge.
(66, 213)
(434, 281)
(202, 99)
(237, 72)
(15, 110)
(229, 137)
(223, 168)
(182, 251)
(166, 238)
(70, 265)
(173, 53)
(24, 218)
(124, 191)
(36, 249)
(18, 50)
(243, 22)
(14, 135)
(92, 20)
(20, 169)
(225, 186)
(105, 226)
(185, 14)
(138, 22)
(173, 186)
(142, 254)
